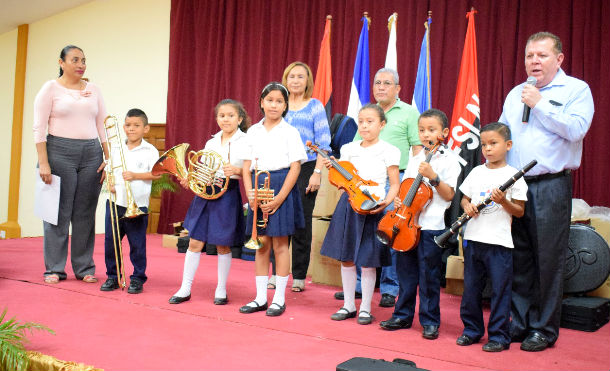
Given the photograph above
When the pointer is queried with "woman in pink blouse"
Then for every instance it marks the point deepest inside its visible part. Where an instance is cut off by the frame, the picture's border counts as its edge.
(69, 115)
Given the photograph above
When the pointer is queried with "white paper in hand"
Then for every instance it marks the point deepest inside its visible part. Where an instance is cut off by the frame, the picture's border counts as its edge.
(46, 199)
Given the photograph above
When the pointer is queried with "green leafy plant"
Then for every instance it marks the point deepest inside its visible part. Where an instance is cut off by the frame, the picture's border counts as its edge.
(13, 355)
(165, 183)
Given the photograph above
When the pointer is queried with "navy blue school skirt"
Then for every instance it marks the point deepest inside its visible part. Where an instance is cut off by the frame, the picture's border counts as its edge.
(288, 217)
(351, 237)
(219, 222)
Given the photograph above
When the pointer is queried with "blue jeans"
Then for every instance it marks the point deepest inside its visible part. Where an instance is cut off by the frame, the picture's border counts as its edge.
(388, 282)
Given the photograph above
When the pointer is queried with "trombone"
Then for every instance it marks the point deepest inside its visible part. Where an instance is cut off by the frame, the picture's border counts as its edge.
(113, 134)
(262, 195)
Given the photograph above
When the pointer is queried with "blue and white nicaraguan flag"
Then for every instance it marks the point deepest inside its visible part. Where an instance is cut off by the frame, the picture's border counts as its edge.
(422, 94)
(361, 86)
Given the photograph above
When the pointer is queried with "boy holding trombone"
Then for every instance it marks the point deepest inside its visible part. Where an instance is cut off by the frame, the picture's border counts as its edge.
(131, 161)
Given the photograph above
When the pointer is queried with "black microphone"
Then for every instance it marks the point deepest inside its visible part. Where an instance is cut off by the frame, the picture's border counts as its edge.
(526, 109)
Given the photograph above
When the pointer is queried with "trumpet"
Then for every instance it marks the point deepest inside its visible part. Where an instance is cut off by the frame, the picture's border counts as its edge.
(261, 196)
(113, 135)
(202, 173)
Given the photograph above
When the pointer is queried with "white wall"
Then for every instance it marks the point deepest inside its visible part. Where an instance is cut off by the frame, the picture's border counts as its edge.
(126, 44)
(8, 46)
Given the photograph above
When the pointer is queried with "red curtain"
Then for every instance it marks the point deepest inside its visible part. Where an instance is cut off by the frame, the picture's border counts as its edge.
(232, 48)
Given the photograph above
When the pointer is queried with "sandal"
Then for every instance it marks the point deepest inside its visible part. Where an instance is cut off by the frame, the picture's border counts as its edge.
(271, 283)
(51, 278)
(90, 278)
(298, 285)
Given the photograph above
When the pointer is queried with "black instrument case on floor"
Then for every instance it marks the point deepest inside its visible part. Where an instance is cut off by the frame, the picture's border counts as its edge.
(585, 313)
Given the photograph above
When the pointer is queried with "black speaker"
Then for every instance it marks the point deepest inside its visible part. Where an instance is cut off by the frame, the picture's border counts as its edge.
(369, 364)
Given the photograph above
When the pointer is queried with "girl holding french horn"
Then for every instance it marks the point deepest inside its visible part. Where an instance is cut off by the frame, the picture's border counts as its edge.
(218, 221)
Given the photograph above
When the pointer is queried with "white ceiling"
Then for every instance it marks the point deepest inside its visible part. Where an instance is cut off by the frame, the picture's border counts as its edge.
(16, 12)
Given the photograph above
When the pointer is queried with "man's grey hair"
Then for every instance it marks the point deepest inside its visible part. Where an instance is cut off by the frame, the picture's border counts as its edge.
(388, 70)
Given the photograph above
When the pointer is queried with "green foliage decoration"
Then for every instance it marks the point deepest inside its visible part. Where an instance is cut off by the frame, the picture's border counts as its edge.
(13, 355)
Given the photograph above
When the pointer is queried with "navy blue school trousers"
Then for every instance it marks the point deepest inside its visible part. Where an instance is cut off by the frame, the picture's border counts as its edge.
(421, 267)
(135, 229)
(483, 260)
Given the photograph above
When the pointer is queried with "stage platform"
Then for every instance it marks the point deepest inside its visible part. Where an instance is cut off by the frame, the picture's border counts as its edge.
(120, 331)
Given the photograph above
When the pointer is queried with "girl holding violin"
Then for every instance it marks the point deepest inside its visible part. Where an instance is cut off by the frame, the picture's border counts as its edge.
(351, 235)
(275, 147)
(422, 264)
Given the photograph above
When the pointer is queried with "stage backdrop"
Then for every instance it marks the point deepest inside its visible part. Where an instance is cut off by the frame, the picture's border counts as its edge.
(232, 48)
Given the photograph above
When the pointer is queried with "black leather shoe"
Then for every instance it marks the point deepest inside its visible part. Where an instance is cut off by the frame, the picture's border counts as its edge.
(275, 310)
(342, 314)
(387, 301)
(535, 342)
(220, 301)
(395, 323)
(430, 332)
(494, 346)
(339, 295)
(466, 340)
(110, 285)
(179, 299)
(135, 287)
(248, 309)
(365, 320)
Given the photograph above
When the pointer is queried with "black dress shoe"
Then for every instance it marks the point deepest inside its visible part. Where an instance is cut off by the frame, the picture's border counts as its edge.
(387, 301)
(466, 340)
(535, 342)
(430, 332)
(494, 346)
(339, 295)
(275, 310)
(248, 309)
(220, 301)
(179, 299)
(110, 284)
(365, 320)
(342, 314)
(135, 287)
(395, 323)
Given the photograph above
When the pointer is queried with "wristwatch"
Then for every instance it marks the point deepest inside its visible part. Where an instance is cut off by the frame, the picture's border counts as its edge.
(317, 171)
(435, 182)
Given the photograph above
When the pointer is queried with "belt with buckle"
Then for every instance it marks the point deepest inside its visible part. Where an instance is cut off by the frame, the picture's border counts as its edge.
(537, 178)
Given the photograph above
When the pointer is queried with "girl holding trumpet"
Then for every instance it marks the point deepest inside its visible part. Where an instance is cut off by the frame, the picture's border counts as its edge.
(274, 150)
(218, 221)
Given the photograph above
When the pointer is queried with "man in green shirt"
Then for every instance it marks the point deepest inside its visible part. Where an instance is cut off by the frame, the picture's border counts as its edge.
(401, 131)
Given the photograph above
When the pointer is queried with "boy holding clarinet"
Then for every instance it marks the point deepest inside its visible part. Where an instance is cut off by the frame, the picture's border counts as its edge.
(488, 245)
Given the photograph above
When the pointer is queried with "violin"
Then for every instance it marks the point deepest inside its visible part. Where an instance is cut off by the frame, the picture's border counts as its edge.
(344, 175)
(398, 228)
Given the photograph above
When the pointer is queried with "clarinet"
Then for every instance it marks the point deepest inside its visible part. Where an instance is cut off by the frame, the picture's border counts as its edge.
(441, 240)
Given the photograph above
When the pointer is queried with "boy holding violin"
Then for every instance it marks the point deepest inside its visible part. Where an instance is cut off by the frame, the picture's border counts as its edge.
(421, 266)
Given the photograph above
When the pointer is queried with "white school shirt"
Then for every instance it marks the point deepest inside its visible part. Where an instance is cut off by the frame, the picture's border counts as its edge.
(372, 162)
(432, 217)
(493, 223)
(140, 159)
(237, 142)
(275, 149)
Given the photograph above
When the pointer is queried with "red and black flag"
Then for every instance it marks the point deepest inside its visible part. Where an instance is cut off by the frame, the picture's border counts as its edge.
(464, 134)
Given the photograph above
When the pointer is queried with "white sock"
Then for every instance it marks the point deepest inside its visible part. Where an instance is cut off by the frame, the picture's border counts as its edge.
(191, 263)
(261, 291)
(224, 265)
(367, 279)
(348, 277)
(280, 289)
